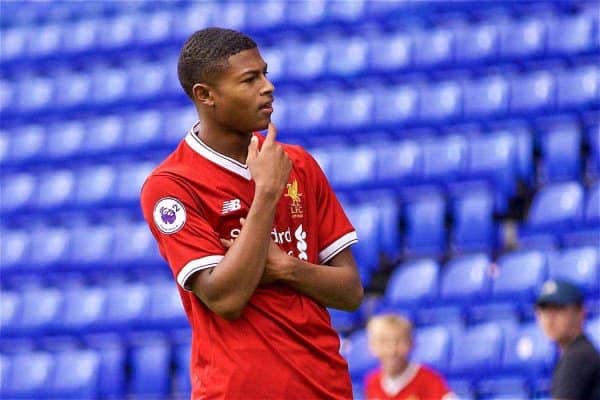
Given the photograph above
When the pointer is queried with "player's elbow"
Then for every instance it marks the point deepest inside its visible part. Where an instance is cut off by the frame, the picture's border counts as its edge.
(227, 309)
(354, 298)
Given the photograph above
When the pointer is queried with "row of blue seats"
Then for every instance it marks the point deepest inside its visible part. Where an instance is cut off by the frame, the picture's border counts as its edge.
(458, 39)
(469, 279)
(116, 306)
(377, 216)
(142, 366)
(476, 351)
(328, 105)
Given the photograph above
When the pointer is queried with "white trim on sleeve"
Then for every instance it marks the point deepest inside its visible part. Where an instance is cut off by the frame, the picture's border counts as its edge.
(194, 266)
(334, 248)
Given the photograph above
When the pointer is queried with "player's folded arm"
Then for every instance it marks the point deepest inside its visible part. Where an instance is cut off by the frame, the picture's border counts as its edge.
(188, 243)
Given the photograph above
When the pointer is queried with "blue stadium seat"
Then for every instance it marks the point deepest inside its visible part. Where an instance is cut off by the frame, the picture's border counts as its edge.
(153, 27)
(493, 311)
(310, 110)
(83, 308)
(465, 279)
(580, 29)
(109, 84)
(532, 91)
(26, 142)
(425, 219)
(556, 206)
(444, 158)
(398, 161)
(493, 157)
(91, 245)
(4, 374)
(37, 316)
(519, 275)
(181, 380)
(82, 35)
(366, 220)
(34, 93)
(9, 310)
(528, 349)
(104, 134)
(473, 225)
(462, 388)
(356, 351)
(150, 365)
(29, 375)
(440, 100)
(44, 40)
(432, 347)
(390, 51)
(593, 141)
(413, 282)
(347, 55)
(55, 188)
(64, 139)
(488, 95)
(165, 304)
(449, 315)
(343, 321)
(477, 41)
(346, 11)
(49, 246)
(76, 374)
(7, 95)
(126, 304)
(94, 184)
(13, 42)
(433, 46)
(592, 206)
(267, 14)
(133, 243)
(352, 166)
(14, 248)
(72, 89)
(232, 15)
(130, 179)
(116, 31)
(351, 108)
(577, 86)
(476, 350)
(143, 129)
(523, 37)
(592, 329)
(275, 59)
(302, 14)
(193, 16)
(145, 80)
(503, 387)
(17, 192)
(305, 60)
(396, 104)
(580, 265)
(112, 371)
(178, 121)
(561, 153)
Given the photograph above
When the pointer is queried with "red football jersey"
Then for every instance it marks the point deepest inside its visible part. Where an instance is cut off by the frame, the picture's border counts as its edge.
(283, 346)
(416, 383)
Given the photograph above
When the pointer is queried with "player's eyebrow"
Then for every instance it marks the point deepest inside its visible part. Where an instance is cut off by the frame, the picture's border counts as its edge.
(253, 71)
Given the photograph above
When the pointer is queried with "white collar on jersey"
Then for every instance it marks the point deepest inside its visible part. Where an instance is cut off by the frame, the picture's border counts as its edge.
(393, 386)
(221, 160)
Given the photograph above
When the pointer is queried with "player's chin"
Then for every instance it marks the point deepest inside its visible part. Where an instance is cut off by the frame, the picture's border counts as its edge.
(263, 123)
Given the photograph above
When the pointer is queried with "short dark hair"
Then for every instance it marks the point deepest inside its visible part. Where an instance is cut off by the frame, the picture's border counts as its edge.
(204, 55)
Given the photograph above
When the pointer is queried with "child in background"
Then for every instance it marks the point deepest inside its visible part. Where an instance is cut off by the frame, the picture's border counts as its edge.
(391, 341)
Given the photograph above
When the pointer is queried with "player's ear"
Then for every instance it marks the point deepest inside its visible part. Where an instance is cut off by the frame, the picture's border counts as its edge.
(203, 94)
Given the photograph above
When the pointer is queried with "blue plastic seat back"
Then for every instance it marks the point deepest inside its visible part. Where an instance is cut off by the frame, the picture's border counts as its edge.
(580, 265)
(65, 139)
(36, 315)
(352, 108)
(433, 46)
(532, 91)
(432, 346)
(83, 307)
(473, 228)
(366, 219)
(477, 41)
(9, 310)
(580, 28)
(519, 275)
(143, 128)
(466, 278)
(487, 95)
(150, 366)
(134, 243)
(578, 86)
(165, 302)
(528, 348)
(91, 244)
(18, 192)
(425, 231)
(440, 100)
(104, 134)
(347, 55)
(130, 180)
(26, 142)
(444, 158)
(556, 206)
(523, 37)
(356, 351)
(398, 161)
(353, 166)
(592, 206)
(14, 248)
(413, 282)
(396, 104)
(76, 374)
(30, 374)
(56, 188)
(95, 184)
(561, 152)
(390, 51)
(49, 246)
(126, 303)
(477, 349)
(492, 157)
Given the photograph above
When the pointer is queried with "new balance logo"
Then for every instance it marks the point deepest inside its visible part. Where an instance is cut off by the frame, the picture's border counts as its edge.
(231, 205)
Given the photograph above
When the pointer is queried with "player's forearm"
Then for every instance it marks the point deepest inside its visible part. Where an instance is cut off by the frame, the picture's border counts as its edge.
(332, 286)
(235, 279)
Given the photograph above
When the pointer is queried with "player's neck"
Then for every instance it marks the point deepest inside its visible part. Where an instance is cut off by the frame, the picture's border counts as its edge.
(232, 144)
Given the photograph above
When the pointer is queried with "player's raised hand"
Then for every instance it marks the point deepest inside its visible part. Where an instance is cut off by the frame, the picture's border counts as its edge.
(270, 166)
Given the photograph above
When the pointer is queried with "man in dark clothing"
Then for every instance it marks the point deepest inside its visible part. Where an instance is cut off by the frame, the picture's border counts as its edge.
(560, 313)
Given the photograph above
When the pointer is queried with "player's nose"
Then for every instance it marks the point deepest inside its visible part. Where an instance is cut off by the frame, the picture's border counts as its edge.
(268, 87)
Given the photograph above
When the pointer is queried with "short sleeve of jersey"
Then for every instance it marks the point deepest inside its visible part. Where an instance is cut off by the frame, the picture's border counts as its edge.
(185, 239)
(335, 230)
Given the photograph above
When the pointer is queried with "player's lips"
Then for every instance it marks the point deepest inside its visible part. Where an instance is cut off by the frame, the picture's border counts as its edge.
(267, 107)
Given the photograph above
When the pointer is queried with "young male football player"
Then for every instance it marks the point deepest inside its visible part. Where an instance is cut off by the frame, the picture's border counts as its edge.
(257, 304)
